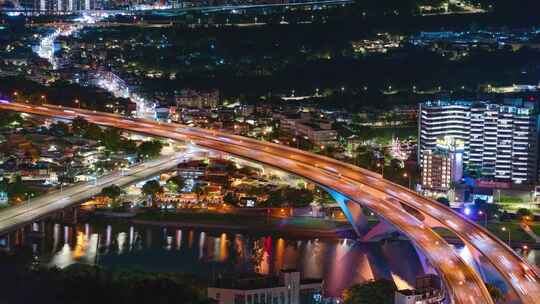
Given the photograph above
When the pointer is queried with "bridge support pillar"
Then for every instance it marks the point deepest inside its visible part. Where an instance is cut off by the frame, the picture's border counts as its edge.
(38, 228)
(426, 265)
(352, 210)
(75, 213)
(378, 232)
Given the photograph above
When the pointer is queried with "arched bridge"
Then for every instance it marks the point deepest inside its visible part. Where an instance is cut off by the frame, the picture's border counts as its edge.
(410, 213)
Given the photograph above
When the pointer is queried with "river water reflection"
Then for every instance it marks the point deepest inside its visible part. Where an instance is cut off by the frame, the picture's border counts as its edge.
(340, 262)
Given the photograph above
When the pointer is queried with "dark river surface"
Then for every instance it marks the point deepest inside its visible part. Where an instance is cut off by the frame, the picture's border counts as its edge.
(340, 262)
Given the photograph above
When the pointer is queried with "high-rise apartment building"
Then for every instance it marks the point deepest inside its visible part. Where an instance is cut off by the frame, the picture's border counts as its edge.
(500, 140)
(443, 165)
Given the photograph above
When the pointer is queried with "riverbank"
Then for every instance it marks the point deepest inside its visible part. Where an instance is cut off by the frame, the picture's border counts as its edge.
(508, 232)
(511, 233)
(290, 226)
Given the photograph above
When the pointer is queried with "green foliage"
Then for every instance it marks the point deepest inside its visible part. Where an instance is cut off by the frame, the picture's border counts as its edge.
(59, 129)
(443, 200)
(176, 183)
(112, 139)
(296, 198)
(365, 158)
(230, 198)
(372, 292)
(82, 284)
(509, 199)
(113, 192)
(152, 188)
(17, 191)
(149, 149)
(8, 119)
(522, 212)
(79, 125)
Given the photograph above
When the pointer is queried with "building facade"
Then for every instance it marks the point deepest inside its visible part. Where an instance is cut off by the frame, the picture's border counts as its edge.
(500, 141)
(288, 288)
(443, 165)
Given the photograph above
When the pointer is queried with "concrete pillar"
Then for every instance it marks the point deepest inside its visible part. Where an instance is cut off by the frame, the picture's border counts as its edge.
(352, 210)
(75, 213)
(378, 232)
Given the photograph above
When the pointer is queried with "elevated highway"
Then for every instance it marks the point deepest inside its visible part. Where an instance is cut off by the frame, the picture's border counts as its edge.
(181, 10)
(15, 217)
(356, 186)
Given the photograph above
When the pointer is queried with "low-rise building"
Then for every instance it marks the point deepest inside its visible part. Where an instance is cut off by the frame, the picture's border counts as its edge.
(427, 291)
(288, 288)
(191, 169)
(197, 99)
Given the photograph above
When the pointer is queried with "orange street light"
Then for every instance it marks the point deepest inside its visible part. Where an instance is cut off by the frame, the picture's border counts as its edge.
(509, 231)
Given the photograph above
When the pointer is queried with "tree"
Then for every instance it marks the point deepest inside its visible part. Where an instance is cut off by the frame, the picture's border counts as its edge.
(152, 188)
(79, 125)
(275, 199)
(59, 129)
(84, 284)
(365, 157)
(490, 209)
(198, 189)
(372, 292)
(93, 132)
(176, 183)
(112, 139)
(523, 212)
(230, 199)
(8, 118)
(113, 192)
(18, 191)
(443, 200)
(150, 149)
(298, 198)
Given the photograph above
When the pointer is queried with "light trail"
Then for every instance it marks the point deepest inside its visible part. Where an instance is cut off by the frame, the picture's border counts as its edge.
(364, 187)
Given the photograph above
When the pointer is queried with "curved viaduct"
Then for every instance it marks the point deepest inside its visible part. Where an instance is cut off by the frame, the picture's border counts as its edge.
(410, 213)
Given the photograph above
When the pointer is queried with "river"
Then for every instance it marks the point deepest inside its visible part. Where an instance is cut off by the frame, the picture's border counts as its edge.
(340, 262)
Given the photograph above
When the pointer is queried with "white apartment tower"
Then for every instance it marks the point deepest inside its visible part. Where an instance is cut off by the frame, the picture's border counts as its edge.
(500, 140)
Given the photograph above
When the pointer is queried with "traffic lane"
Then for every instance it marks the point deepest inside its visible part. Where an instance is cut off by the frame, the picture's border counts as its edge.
(464, 284)
(57, 201)
(113, 123)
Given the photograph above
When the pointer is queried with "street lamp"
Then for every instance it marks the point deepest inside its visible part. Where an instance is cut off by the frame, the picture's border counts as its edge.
(382, 168)
(485, 217)
(505, 229)
(28, 197)
(405, 175)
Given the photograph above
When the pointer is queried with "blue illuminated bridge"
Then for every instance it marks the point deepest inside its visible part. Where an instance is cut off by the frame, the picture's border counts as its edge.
(354, 188)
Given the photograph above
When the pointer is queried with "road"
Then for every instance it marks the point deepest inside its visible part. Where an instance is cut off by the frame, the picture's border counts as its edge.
(464, 284)
(14, 217)
(206, 9)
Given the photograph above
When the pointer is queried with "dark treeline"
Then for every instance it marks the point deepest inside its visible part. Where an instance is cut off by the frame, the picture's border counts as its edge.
(81, 284)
